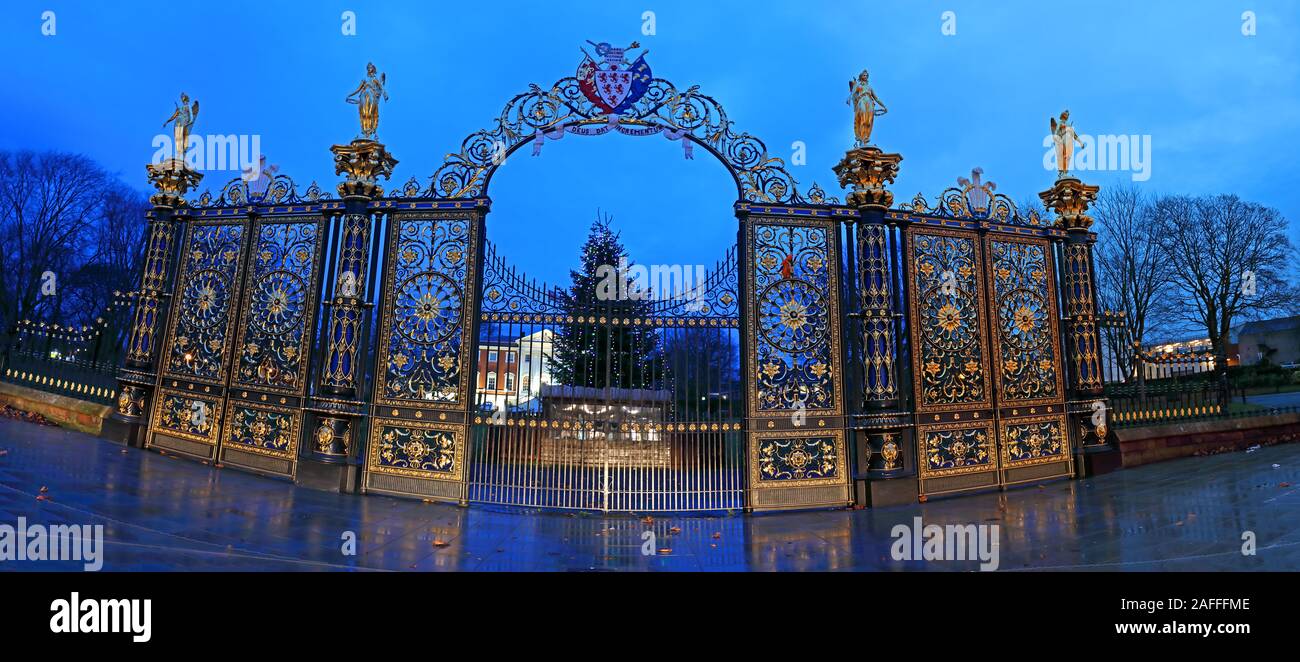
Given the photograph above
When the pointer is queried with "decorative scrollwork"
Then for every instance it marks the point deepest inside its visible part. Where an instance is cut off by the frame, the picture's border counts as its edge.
(794, 326)
(1033, 442)
(957, 450)
(978, 203)
(717, 296)
(210, 264)
(423, 343)
(1028, 363)
(418, 450)
(507, 291)
(797, 459)
(663, 108)
(279, 305)
(950, 358)
(262, 431)
(277, 190)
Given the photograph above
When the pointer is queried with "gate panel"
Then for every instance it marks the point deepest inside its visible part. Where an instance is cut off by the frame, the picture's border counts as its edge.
(955, 429)
(264, 414)
(188, 409)
(1031, 393)
(417, 438)
(796, 439)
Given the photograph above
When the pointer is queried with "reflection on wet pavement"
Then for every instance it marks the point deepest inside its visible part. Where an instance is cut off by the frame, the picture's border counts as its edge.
(162, 513)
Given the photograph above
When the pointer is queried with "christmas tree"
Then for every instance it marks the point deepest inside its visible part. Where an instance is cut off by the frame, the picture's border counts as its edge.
(605, 355)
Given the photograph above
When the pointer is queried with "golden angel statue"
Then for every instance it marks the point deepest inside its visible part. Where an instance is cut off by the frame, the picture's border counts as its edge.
(367, 97)
(866, 108)
(182, 120)
(1064, 137)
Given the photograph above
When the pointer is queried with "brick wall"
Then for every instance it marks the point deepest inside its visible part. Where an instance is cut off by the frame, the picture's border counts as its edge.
(1138, 446)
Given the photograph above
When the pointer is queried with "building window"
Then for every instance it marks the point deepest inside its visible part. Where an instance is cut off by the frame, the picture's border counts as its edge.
(510, 381)
(510, 357)
(492, 356)
(492, 381)
(524, 382)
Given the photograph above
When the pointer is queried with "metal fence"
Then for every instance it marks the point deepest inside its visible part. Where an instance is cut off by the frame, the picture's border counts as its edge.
(620, 404)
(1147, 388)
(75, 361)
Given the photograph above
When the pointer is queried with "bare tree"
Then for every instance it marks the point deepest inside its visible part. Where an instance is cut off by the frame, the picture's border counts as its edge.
(1226, 259)
(70, 236)
(119, 238)
(1132, 276)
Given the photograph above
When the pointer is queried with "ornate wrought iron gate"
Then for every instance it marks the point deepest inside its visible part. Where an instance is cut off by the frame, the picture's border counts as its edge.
(417, 443)
(990, 401)
(796, 403)
(430, 368)
(236, 356)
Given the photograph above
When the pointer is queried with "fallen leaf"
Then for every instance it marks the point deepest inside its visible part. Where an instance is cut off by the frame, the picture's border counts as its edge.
(665, 550)
(922, 498)
(674, 530)
(42, 497)
(440, 543)
(44, 489)
(717, 536)
(1284, 484)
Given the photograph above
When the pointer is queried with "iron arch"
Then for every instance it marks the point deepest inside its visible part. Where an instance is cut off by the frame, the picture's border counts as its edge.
(542, 114)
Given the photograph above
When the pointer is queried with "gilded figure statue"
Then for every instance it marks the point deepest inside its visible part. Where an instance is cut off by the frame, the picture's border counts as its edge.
(182, 120)
(866, 108)
(1065, 139)
(367, 96)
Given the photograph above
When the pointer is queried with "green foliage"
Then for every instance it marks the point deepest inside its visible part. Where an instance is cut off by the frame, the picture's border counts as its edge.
(603, 355)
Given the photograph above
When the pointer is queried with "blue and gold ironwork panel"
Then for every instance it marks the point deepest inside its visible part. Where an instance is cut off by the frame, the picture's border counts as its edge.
(793, 458)
(278, 307)
(424, 348)
(793, 321)
(1028, 356)
(416, 450)
(950, 360)
(264, 430)
(953, 449)
(199, 341)
(1033, 440)
(187, 415)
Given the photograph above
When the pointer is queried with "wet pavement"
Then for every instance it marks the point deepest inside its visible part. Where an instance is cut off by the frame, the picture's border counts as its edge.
(163, 513)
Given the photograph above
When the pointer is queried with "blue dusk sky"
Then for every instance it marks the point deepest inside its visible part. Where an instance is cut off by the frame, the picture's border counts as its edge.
(1222, 109)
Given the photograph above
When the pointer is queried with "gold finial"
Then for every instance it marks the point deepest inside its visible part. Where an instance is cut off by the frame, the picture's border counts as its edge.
(367, 96)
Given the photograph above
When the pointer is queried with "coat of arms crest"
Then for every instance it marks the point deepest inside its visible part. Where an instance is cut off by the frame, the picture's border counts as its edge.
(612, 83)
